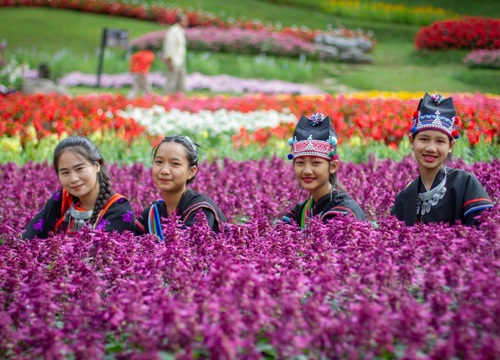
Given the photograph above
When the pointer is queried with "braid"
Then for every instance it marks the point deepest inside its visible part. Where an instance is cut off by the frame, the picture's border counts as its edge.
(102, 198)
(87, 149)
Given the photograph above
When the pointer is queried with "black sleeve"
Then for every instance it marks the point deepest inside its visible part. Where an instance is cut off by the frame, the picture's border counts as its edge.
(291, 217)
(43, 222)
(119, 217)
(348, 207)
(210, 216)
(397, 209)
(141, 223)
(476, 200)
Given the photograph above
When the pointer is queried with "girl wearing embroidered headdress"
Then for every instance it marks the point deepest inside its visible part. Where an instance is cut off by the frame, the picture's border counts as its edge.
(439, 194)
(86, 198)
(175, 164)
(315, 164)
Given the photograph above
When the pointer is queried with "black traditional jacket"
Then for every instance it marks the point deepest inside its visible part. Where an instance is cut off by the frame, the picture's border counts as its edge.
(149, 222)
(325, 209)
(117, 215)
(461, 199)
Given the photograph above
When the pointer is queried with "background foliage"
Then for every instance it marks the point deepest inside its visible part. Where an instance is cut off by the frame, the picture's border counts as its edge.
(397, 64)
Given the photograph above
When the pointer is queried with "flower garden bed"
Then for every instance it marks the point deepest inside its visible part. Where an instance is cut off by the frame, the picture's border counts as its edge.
(485, 59)
(467, 33)
(382, 119)
(29, 119)
(208, 32)
(262, 289)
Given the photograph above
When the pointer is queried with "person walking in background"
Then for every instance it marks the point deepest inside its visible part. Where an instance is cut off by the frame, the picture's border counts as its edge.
(439, 194)
(86, 198)
(315, 164)
(175, 164)
(140, 64)
(174, 55)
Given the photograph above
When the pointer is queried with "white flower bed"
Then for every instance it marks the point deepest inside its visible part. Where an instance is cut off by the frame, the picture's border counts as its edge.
(159, 121)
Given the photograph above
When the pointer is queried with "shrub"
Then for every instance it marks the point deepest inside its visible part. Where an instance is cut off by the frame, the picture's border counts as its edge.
(466, 33)
(488, 59)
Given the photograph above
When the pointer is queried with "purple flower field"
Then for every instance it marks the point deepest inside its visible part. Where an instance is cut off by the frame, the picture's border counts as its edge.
(263, 289)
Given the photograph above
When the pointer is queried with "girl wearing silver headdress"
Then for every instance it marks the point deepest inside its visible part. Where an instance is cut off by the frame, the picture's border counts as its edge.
(315, 164)
(439, 194)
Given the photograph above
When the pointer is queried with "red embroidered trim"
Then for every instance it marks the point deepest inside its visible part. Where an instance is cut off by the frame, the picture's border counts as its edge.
(476, 200)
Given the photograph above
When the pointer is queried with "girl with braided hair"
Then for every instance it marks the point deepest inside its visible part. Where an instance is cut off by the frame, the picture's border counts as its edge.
(175, 164)
(86, 197)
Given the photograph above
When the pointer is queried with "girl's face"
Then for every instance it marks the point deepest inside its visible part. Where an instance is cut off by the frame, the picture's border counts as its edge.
(314, 174)
(171, 169)
(431, 149)
(78, 176)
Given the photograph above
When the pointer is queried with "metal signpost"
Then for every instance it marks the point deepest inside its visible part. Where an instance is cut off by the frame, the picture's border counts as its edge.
(110, 37)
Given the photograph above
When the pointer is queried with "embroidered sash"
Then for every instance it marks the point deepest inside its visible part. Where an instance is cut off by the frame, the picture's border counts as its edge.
(67, 205)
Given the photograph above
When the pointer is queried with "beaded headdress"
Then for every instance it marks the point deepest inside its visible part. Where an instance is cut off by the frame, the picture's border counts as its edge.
(314, 136)
(435, 113)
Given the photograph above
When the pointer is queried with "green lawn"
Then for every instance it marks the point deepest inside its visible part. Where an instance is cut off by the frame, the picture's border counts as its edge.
(69, 40)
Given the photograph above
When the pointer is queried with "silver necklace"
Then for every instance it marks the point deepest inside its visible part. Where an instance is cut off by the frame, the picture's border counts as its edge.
(430, 198)
(79, 218)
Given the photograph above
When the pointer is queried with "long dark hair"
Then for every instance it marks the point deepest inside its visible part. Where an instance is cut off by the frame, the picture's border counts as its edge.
(190, 146)
(333, 178)
(85, 147)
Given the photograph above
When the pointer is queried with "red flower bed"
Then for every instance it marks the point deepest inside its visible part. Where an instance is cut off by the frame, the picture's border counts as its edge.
(379, 119)
(466, 33)
(56, 114)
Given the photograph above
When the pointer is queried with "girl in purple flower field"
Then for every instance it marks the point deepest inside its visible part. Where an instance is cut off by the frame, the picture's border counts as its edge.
(175, 164)
(439, 194)
(315, 164)
(86, 198)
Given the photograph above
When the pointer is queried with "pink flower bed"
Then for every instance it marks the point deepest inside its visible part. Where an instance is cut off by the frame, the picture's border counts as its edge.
(243, 41)
(166, 15)
(488, 59)
(341, 290)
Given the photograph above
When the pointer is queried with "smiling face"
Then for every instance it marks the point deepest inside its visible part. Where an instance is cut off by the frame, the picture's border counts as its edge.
(78, 176)
(171, 168)
(431, 149)
(313, 174)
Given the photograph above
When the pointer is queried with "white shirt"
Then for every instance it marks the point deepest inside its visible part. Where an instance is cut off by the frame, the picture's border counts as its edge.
(174, 45)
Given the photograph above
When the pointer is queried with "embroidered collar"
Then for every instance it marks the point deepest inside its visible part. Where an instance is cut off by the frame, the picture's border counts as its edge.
(76, 219)
(428, 199)
(310, 206)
